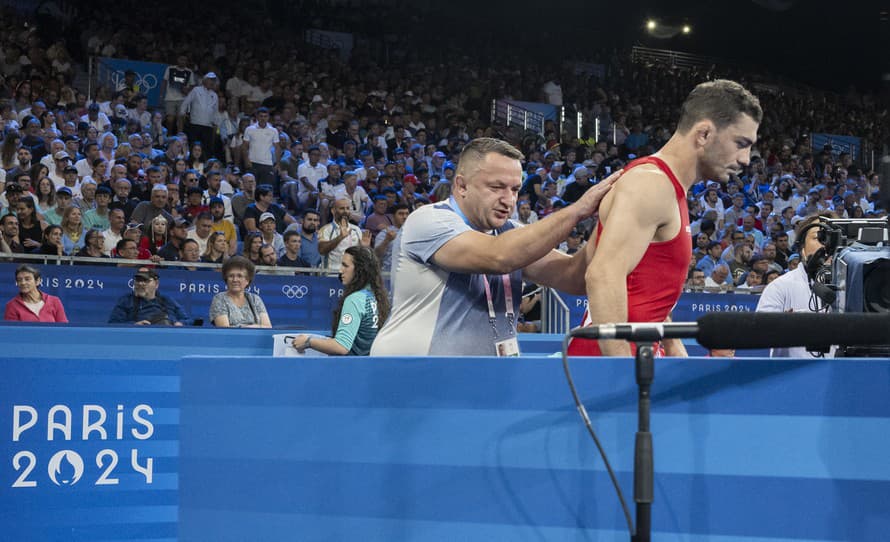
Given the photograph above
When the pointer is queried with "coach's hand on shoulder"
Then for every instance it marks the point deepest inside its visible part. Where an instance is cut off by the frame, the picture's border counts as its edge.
(591, 199)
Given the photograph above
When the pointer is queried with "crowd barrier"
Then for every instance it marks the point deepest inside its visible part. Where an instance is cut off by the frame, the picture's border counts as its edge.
(688, 309)
(215, 448)
(89, 293)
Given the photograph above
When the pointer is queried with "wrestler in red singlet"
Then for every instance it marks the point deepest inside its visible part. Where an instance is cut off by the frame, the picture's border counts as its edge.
(655, 284)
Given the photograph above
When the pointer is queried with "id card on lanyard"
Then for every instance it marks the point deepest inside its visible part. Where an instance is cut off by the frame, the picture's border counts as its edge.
(509, 345)
(506, 345)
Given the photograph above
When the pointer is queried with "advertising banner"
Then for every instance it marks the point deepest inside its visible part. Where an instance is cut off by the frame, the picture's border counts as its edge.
(89, 449)
(89, 293)
(839, 144)
(689, 308)
(148, 76)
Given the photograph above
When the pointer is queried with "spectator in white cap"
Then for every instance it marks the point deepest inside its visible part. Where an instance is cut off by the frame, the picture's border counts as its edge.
(201, 106)
(54, 147)
(57, 174)
(270, 236)
(437, 164)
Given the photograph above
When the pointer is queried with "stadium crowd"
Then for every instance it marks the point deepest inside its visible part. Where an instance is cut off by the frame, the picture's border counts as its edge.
(287, 154)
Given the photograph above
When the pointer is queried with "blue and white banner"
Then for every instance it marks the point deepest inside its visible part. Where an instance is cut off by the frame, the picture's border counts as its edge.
(590, 68)
(689, 308)
(90, 448)
(839, 144)
(148, 76)
(89, 293)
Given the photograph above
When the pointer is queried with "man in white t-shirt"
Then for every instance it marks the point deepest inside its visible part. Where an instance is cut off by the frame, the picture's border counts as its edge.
(356, 195)
(85, 165)
(791, 292)
(96, 119)
(309, 173)
(236, 85)
(55, 147)
(338, 235)
(202, 230)
(262, 147)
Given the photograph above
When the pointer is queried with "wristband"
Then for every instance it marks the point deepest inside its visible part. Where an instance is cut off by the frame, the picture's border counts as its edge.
(308, 343)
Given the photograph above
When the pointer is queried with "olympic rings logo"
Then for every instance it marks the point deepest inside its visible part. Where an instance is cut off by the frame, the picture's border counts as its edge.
(145, 81)
(295, 292)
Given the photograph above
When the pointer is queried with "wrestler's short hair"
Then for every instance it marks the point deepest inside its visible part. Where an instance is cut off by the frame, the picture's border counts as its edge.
(721, 102)
(476, 150)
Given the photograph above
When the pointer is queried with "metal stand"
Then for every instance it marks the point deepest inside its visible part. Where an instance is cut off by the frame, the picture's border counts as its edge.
(643, 463)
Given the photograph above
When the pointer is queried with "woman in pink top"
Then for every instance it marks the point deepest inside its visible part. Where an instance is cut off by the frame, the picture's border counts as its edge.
(32, 305)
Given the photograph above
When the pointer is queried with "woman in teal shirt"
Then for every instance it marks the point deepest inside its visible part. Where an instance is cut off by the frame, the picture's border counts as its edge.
(363, 308)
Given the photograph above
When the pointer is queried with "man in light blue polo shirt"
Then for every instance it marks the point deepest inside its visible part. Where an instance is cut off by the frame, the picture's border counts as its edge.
(457, 266)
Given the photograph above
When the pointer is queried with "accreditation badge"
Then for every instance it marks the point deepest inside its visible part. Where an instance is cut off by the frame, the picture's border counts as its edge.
(508, 348)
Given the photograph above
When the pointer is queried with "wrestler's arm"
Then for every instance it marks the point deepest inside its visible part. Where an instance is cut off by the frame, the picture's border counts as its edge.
(635, 209)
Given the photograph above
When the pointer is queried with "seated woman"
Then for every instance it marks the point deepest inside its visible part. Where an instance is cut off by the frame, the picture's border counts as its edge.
(251, 247)
(217, 248)
(363, 308)
(72, 230)
(236, 307)
(52, 242)
(30, 225)
(32, 305)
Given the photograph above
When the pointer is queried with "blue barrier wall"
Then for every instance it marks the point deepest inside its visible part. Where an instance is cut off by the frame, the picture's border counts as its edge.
(254, 448)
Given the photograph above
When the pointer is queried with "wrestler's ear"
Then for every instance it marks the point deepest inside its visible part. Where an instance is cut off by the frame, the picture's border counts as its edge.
(704, 132)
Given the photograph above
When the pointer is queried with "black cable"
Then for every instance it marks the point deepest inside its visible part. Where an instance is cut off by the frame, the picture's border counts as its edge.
(583, 411)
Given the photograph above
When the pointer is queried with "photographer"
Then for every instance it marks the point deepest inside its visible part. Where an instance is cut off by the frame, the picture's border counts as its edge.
(145, 306)
(792, 292)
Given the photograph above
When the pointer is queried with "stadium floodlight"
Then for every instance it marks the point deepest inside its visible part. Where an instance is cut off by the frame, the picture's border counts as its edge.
(687, 29)
(651, 24)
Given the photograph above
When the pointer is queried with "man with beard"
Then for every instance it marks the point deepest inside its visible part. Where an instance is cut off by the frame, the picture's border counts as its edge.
(384, 239)
(217, 211)
(85, 165)
(145, 306)
(9, 233)
(177, 236)
(214, 184)
(339, 234)
(146, 211)
(32, 140)
(243, 197)
(643, 243)
(309, 239)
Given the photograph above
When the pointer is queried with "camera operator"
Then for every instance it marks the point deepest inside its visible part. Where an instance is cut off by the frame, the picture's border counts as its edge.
(792, 291)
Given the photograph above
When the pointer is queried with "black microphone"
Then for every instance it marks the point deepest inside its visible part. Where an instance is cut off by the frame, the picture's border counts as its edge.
(781, 330)
(638, 332)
